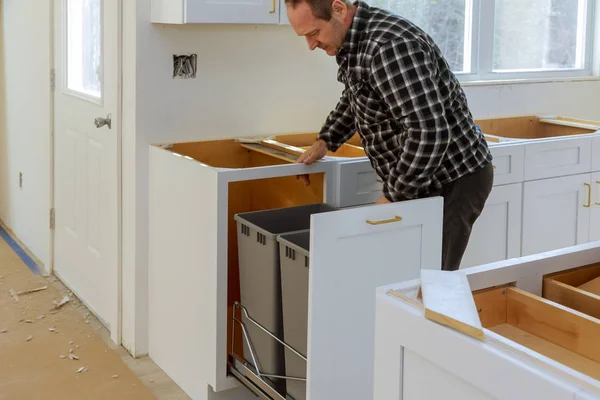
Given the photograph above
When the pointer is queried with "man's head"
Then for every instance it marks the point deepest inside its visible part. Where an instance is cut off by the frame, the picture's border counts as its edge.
(324, 23)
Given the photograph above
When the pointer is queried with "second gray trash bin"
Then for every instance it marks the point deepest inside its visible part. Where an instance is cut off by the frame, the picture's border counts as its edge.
(294, 253)
(260, 280)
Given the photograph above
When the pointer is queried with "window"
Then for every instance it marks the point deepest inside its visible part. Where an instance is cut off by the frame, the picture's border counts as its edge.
(84, 50)
(506, 39)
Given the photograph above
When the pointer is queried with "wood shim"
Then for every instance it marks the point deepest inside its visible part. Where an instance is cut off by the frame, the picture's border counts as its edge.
(448, 300)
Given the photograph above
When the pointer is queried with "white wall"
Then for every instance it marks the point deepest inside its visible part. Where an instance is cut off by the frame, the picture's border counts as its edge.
(25, 137)
(258, 80)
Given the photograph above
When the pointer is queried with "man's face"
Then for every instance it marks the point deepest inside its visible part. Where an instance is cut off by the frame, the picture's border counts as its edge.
(326, 35)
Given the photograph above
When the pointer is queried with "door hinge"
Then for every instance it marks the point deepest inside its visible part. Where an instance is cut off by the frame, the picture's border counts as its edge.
(52, 79)
(52, 219)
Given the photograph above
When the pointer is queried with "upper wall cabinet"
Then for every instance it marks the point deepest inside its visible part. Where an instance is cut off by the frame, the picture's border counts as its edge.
(216, 11)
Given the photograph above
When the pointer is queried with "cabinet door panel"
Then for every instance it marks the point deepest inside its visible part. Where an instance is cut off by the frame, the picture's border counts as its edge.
(595, 208)
(232, 11)
(496, 234)
(352, 252)
(555, 213)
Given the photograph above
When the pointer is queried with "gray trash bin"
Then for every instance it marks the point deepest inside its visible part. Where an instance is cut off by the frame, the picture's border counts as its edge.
(294, 253)
(260, 279)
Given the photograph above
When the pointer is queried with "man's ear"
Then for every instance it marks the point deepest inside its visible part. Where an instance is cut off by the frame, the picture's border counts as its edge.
(339, 8)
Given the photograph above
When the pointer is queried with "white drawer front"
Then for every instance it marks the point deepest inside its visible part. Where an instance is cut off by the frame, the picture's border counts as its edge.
(508, 164)
(596, 154)
(358, 184)
(557, 158)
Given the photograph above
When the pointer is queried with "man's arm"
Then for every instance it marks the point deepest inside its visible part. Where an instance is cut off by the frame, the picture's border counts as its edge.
(339, 125)
(404, 76)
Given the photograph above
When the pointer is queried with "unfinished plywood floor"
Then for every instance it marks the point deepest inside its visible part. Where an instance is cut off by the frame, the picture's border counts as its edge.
(33, 337)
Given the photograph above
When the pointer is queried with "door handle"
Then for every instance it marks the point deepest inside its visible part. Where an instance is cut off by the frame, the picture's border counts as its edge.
(100, 122)
(589, 195)
(385, 221)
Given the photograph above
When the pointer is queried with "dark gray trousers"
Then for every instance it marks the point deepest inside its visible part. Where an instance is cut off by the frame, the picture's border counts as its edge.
(464, 199)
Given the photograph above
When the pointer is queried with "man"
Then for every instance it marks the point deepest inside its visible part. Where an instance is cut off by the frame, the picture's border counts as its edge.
(408, 107)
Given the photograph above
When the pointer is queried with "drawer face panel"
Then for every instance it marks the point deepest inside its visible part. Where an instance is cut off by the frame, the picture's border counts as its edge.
(596, 154)
(557, 158)
(508, 164)
(358, 184)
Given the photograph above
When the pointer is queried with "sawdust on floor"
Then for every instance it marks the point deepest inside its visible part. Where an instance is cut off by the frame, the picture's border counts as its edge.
(54, 354)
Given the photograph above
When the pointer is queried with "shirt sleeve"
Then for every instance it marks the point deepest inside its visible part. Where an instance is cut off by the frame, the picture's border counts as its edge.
(339, 126)
(405, 75)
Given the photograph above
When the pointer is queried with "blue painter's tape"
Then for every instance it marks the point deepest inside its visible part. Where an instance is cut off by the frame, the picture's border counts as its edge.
(20, 252)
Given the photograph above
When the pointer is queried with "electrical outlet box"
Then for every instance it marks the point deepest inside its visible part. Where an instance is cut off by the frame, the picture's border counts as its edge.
(184, 66)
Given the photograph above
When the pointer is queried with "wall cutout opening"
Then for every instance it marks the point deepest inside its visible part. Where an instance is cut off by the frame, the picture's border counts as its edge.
(184, 66)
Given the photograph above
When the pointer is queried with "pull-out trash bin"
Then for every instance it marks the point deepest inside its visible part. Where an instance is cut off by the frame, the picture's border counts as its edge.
(294, 253)
(260, 280)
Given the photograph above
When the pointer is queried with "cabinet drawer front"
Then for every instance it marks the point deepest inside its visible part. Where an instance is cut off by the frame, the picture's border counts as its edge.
(596, 154)
(508, 164)
(557, 158)
(358, 184)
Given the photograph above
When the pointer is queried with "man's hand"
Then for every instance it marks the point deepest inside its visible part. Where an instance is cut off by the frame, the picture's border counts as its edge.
(382, 200)
(317, 151)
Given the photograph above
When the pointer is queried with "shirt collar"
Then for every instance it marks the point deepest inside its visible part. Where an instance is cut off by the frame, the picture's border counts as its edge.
(353, 35)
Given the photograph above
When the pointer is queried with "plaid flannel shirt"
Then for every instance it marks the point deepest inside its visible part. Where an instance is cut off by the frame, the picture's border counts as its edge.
(407, 106)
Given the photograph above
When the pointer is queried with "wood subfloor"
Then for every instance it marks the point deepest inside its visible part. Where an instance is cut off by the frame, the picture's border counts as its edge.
(34, 337)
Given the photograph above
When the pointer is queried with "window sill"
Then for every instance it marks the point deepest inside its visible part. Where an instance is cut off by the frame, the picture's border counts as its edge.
(527, 81)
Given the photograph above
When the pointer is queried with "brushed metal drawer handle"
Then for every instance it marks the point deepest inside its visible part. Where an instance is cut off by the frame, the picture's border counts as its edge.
(274, 8)
(385, 221)
(589, 195)
(379, 180)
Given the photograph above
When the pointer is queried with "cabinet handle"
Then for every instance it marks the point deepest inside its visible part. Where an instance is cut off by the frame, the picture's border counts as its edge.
(385, 221)
(274, 8)
(494, 166)
(379, 180)
(589, 194)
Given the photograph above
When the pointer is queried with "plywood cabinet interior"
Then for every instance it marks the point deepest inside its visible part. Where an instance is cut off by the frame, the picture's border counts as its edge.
(540, 324)
(197, 188)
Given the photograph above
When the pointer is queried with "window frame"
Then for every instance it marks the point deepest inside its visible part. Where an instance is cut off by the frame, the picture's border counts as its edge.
(482, 50)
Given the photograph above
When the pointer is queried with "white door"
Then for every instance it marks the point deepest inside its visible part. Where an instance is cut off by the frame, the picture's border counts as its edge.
(595, 208)
(496, 234)
(556, 213)
(86, 154)
(352, 252)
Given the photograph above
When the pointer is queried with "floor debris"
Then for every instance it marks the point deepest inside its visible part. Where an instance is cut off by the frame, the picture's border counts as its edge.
(73, 357)
(22, 292)
(58, 305)
(82, 369)
(3, 330)
(63, 356)
(29, 338)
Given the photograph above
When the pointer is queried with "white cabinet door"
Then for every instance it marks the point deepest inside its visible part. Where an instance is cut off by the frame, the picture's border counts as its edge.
(354, 251)
(496, 234)
(215, 11)
(595, 208)
(556, 213)
(283, 18)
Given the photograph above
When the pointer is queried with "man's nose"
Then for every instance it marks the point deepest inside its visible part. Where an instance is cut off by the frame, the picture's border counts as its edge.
(312, 43)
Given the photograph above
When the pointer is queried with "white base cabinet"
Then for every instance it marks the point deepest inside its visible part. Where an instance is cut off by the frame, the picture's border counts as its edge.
(540, 330)
(195, 190)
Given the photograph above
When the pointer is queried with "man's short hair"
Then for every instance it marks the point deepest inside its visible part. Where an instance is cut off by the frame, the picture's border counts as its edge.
(321, 8)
